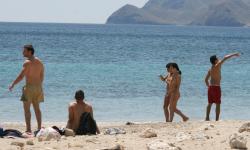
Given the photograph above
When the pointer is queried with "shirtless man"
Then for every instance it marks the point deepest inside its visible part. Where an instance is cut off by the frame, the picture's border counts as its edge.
(76, 109)
(33, 72)
(214, 90)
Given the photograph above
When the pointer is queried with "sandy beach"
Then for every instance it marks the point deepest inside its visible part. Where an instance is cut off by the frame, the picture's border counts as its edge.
(196, 135)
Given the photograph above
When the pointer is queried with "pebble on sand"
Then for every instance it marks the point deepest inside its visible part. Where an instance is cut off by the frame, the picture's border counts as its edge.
(74, 145)
(16, 143)
(30, 142)
(207, 127)
(161, 145)
(148, 133)
(69, 132)
(117, 147)
(130, 123)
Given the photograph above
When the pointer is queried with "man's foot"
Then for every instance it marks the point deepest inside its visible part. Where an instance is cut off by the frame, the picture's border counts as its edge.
(27, 135)
(207, 119)
(28, 131)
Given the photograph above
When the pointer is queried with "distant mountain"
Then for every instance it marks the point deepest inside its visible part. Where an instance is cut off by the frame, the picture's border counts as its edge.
(185, 12)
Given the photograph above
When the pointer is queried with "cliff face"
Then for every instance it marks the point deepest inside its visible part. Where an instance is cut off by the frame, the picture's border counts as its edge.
(185, 12)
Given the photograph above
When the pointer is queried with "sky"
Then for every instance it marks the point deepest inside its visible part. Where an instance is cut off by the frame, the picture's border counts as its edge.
(61, 11)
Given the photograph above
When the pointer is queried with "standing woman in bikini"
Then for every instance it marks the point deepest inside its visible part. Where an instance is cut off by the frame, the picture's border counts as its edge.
(166, 79)
(173, 92)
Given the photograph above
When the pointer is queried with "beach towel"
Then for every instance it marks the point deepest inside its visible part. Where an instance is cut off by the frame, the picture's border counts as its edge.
(11, 133)
(87, 125)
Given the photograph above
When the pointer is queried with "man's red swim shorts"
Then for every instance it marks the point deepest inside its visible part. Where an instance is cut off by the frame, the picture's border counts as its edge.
(214, 94)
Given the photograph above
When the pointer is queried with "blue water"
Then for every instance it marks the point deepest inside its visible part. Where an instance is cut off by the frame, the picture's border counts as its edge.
(118, 68)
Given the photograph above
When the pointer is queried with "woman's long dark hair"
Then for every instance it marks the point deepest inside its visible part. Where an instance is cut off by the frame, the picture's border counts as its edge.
(174, 65)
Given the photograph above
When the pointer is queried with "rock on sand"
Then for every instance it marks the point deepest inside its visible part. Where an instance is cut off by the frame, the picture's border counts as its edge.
(148, 133)
(16, 143)
(245, 127)
(161, 145)
(237, 142)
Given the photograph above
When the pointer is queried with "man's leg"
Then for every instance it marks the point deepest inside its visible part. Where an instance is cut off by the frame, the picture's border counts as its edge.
(208, 111)
(27, 114)
(38, 113)
(217, 112)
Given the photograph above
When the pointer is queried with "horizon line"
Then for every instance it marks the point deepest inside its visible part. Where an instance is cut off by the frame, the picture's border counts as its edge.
(44, 22)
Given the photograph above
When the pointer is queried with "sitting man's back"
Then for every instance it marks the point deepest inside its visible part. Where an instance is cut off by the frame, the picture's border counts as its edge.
(76, 110)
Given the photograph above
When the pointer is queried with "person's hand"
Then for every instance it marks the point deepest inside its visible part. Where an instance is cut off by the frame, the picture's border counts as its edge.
(11, 87)
(161, 78)
(237, 54)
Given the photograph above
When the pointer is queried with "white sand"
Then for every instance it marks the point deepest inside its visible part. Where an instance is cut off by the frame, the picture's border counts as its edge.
(194, 135)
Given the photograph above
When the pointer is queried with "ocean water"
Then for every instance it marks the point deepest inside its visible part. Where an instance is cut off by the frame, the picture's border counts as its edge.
(118, 66)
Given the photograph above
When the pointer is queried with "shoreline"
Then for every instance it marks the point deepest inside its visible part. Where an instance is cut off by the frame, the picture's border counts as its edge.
(185, 135)
(120, 123)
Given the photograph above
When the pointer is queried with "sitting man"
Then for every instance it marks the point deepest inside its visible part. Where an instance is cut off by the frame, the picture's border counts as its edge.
(81, 118)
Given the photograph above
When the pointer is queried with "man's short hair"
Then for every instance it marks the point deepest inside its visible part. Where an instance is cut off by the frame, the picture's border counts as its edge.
(79, 95)
(213, 59)
(30, 48)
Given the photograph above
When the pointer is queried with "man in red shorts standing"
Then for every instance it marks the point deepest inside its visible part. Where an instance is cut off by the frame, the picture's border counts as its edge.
(213, 80)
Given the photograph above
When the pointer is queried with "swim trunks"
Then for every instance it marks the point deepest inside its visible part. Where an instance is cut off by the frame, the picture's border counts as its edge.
(32, 93)
(214, 94)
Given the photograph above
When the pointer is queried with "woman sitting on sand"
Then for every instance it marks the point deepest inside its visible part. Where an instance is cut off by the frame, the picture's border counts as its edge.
(173, 81)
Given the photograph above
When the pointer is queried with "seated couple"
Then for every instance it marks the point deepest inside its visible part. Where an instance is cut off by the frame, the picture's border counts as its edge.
(81, 119)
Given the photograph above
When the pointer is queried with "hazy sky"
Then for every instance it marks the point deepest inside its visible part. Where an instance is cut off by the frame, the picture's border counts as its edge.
(68, 11)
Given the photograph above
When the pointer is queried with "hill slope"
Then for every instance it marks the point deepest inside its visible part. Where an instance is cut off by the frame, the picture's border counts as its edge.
(186, 12)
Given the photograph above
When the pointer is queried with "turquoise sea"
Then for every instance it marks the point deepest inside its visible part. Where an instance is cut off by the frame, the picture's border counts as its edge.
(118, 66)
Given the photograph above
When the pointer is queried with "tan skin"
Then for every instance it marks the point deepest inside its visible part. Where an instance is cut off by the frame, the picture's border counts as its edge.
(166, 79)
(170, 101)
(33, 72)
(213, 78)
(76, 109)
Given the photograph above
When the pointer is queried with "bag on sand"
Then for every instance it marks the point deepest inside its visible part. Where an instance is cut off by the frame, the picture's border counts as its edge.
(47, 134)
(1, 132)
(87, 125)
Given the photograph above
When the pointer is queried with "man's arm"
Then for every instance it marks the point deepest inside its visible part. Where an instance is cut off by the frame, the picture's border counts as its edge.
(228, 57)
(42, 74)
(20, 76)
(71, 118)
(207, 78)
